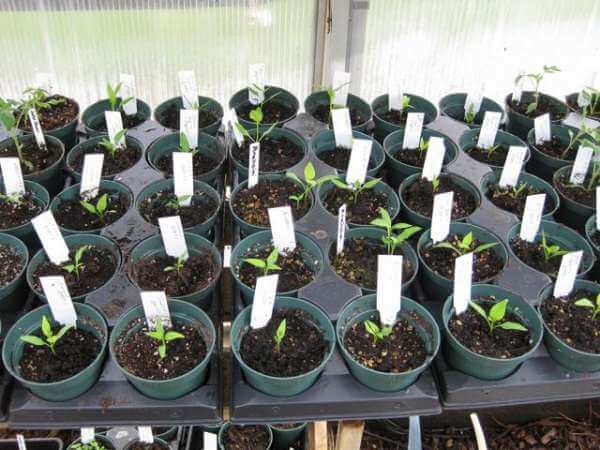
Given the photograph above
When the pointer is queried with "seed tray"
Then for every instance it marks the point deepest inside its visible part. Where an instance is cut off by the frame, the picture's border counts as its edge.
(33, 444)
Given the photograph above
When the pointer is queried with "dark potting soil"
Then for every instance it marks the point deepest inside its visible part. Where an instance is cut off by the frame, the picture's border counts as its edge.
(395, 116)
(401, 351)
(144, 446)
(411, 156)
(198, 272)
(128, 121)
(496, 157)
(321, 113)
(571, 323)
(471, 330)
(239, 437)
(201, 163)
(339, 158)
(98, 266)
(123, 159)
(419, 197)
(532, 254)
(276, 154)
(363, 210)
(440, 439)
(286, 426)
(504, 198)
(75, 351)
(138, 352)
(294, 273)
(273, 111)
(578, 193)
(486, 264)
(13, 214)
(164, 204)
(544, 106)
(357, 264)
(72, 215)
(55, 116)
(170, 117)
(302, 349)
(252, 205)
(11, 263)
(556, 149)
(40, 158)
(572, 102)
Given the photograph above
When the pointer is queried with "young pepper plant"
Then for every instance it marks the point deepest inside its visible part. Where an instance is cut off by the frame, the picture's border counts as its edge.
(163, 337)
(587, 303)
(76, 266)
(551, 251)
(592, 97)
(392, 240)
(536, 78)
(49, 339)
(113, 148)
(112, 93)
(15, 198)
(8, 120)
(257, 116)
(184, 145)
(310, 181)
(357, 188)
(179, 264)
(100, 209)
(465, 245)
(94, 445)
(495, 317)
(516, 191)
(266, 265)
(177, 202)
(470, 114)
(280, 334)
(378, 333)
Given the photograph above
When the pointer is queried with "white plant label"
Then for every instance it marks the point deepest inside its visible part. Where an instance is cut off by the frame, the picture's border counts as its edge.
(441, 216)
(567, 273)
(21, 442)
(512, 166)
(253, 164)
(463, 274)
(542, 131)
(128, 91)
(389, 287)
(91, 175)
(60, 302)
(12, 175)
(359, 161)
(341, 87)
(341, 229)
(188, 88)
(532, 217)
(473, 102)
(282, 228)
(183, 176)
(582, 99)
(256, 78)
(342, 128)
(581, 165)
(413, 130)
(233, 122)
(54, 245)
(114, 125)
(598, 208)
(46, 81)
(188, 125)
(434, 159)
(145, 435)
(173, 236)
(209, 441)
(226, 256)
(395, 97)
(489, 129)
(518, 89)
(263, 301)
(156, 306)
(227, 193)
(87, 435)
(38, 133)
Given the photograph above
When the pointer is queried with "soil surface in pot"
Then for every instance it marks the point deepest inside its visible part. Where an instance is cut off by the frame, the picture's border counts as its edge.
(128, 121)
(544, 106)
(72, 215)
(294, 273)
(556, 149)
(75, 351)
(486, 264)
(144, 446)
(339, 158)
(273, 111)
(98, 266)
(302, 349)
(506, 199)
(276, 153)
(321, 113)
(123, 159)
(578, 193)
(363, 210)
(198, 272)
(11, 263)
(55, 116)
(357, 264)
(532, 254)
(400, 351)
(495, 157)
(201, 162)
(573, 324)
(419, 197)
(394, 116)
(572, 102)
(472, 331)
(239, 437)
(138, 353)
(14, 214)
(411, 156)
(164, 204)
(252, 205)
(38, 158)
(170, 117)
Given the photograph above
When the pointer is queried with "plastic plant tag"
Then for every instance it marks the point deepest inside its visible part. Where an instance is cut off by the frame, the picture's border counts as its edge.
(38, 133)
(282, 228)
(512, 166)
(517, 92)
(414, 433)
(114, 125)
(395, 97)
(46, 81)
(565, 280)
(341, 229)
(489, 129)
(87, 435)
(359, 161)
(183, 177)
(188, 125)
(583, 99)
(12, 175)
(473, 102)
(412, 130)
(209, 441)
(341, 87)
(581, 165)
(59, 300)
(598, 208)
(263, 301)
(233, 122)
(389, 287)
(253, 164)
(441, 216)
(256, 86)
(463, 274)
(156, 306)
(532, 216)
(227, 193)
(54, 245)
(541, 126)
(434, 159)
(173, 237)
(21, 442)
(342, 128)
(145, 435)
(128, 92)
(226, 256)
(91, 175)
(188, 88)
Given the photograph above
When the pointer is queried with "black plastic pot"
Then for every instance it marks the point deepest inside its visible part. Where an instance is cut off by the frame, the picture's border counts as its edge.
(571, 213)
(519, 124)
(316, 99)
(33, 444)
(240, 98)
(417, 104)
(93, 116)
(453, 106)
(544, 165)
(206, 103)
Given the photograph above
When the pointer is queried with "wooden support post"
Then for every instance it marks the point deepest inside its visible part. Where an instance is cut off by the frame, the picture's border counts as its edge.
(349, 435)
(316, 436)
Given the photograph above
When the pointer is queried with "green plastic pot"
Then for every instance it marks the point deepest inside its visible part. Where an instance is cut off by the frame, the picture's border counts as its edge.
(571, 100)
(226, 425)
(365, 308)
(282, 386)
(67, 134)
(486, 367)
(571, 213)
(168, 144)
(181, 312)
(93, 116)
(153, 246)
(416, 218)
(314, 259)
(13, 294)
(397, 170)
(380, 106)
(325, 140)
(91, 143)
(453, 106)
(89, 320)
(393, 203)
(286, 437)
(542, 164)
(519, 124)
(76, 241)
(560, 351)
(468, 141)
(439, 287)
(72, 193)
(283, 97)
(590, 229)
(158, 441)
(200, 189)
(206, 104)
(52, 177)
(98, 438)
(376, 234)
(316, 99)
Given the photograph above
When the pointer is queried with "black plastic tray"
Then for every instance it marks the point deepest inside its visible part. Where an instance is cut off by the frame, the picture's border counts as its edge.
(33, 444)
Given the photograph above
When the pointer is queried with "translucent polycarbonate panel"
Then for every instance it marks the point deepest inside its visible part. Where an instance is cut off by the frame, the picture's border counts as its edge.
(88, 43)
(436, 47)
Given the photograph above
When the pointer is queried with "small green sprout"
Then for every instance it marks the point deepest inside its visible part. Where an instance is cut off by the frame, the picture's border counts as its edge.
(112, 94)
(179, 264)
(76, 265)
(184, 145)
(279, 334)
(495, 318)
(309, 182)
(266, 264)
(435, 184)
(256, 115)
(50, 339)
(357, 188)
(111, 147)
(587, 303)
(516, 191)
(592, 95)
(262, 92)
(465, 245)
(38, 99)
(378, 333)
(163, 337)
(423, 146)
(100, 209)
(177, 202)
(536, 78)
(491, 149)
(470, 114)
(392, 240)
(15, 198)
(331, 96)
(94, 445)
(551, 251)
(8, 109)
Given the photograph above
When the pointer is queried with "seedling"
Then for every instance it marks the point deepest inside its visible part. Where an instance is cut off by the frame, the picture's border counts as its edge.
(435, 184)
(279, 334)
(266, 264)
(516, 191)
(50, 339)
(536, 78)
(113, 148)
(262, 93)
(423, 146)
(465, 245)
(551, 251)
(495, 318)
(587, 303)
(470, 114)
(331, 96)
(581, 137)
(7, 117)
(114, 101)
(308, 183)
(163, 337)
(256, 115)
(392, 240)
(76, 265)
(94, 445)
(100, 209)
(491, 149)
(178, 202)
(357, 188)
(38, 99)
(179, 264)
(15, 198)
(592, 96)
(184, 145)
(379, 334)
